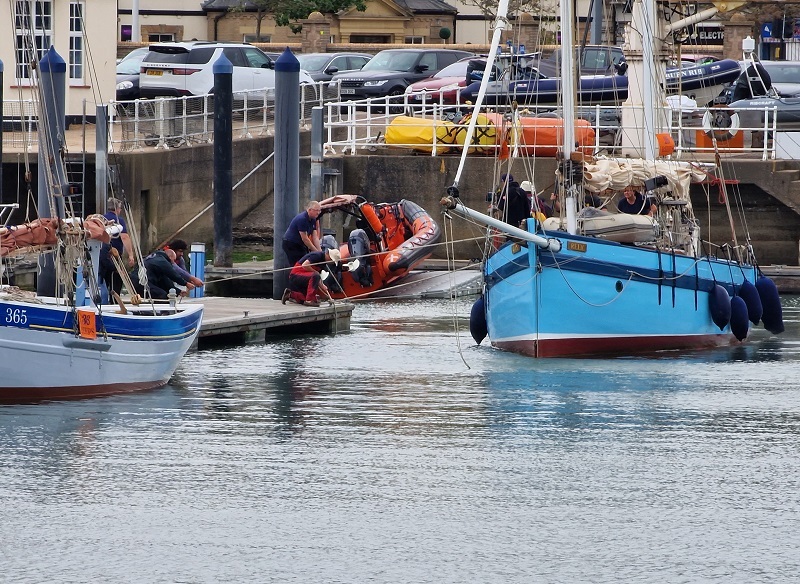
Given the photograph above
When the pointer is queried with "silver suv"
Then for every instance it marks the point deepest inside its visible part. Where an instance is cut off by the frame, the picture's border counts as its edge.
(186, 69)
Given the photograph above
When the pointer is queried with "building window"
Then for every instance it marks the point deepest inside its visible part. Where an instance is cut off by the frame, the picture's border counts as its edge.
(33, 35)
(251, 38)
(415, 40)
(160, 37)
(374, 39)
(76, 52)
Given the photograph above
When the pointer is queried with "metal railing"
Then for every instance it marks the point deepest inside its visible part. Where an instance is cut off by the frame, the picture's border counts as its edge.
(369, 124)
(173, 122)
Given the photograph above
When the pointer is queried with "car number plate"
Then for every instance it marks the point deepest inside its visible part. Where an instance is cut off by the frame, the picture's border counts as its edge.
(348, 91)
(156, 72)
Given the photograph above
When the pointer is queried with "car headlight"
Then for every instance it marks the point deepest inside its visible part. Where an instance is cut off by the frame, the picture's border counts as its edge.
(451, 87)
(377, 83)
(124, 85)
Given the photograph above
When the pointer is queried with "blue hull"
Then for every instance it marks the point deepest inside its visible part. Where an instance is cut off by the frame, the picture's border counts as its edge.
(599, 297)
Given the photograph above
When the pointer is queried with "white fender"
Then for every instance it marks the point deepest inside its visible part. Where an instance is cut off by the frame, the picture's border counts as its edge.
(715, 130)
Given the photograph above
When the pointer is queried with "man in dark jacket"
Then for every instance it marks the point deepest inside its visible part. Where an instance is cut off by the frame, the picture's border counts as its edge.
(512, 201)
(162, 274)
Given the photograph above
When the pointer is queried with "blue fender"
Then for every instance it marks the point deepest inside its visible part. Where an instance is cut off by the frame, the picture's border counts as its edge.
(751, 298)
(771, 301)
(740, 321)
(719, 303)
(477, 321)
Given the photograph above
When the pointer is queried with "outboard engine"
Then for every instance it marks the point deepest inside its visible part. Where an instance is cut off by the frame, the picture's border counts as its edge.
(328, 242)
(358, 244)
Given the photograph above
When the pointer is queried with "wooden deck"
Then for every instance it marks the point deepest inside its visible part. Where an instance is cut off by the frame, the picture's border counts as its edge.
(250, 320)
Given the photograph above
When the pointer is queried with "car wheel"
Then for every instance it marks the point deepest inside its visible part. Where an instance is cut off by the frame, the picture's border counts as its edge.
(395, 95)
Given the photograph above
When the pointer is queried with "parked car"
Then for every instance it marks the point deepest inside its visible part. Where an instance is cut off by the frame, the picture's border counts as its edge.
(391, 71)
(186, 68)
(128, 74)
(323, 66)
(442, 87)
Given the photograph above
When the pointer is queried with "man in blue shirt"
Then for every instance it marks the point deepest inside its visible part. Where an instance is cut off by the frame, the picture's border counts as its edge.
(108, 273)
(302, 235)
(305, 280)
(635, 203)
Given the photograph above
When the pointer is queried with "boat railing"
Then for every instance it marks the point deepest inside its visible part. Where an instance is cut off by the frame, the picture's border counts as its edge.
(361, 126)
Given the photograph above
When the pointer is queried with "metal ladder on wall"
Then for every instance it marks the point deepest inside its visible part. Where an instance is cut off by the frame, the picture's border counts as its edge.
(76, 178)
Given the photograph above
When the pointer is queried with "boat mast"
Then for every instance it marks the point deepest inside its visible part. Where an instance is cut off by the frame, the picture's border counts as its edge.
(568, 91)
(500, 23)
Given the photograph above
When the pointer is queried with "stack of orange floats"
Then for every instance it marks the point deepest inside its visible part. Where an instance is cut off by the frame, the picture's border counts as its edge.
(533, 136)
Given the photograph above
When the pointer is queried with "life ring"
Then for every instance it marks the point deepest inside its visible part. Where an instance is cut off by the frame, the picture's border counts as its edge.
(720, 123)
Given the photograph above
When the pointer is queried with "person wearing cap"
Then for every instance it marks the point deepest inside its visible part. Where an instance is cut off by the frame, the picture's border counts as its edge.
(304, 279)
(538, 204)
(302, 235)
(108, 272)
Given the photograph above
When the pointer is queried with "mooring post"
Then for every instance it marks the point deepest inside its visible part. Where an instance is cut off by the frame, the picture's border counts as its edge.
(317, 157)
(53, 186)
(197, 266)
(223, 162)
(287, 161)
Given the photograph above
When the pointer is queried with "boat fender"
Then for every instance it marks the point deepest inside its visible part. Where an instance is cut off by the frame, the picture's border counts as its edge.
(771, 301)
(477, 321)
(739, 319)
(720, 123)
(719, 304)
(751, 298)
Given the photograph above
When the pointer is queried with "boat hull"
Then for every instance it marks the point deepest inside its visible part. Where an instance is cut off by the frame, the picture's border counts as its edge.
(598, 297)
(44, 359)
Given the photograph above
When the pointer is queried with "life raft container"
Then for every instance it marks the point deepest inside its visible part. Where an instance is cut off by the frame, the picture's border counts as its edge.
(418, 133)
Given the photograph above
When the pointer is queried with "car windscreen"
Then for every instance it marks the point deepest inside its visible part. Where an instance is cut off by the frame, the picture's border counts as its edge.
(313, 62)
(783, 72)
(457, 69)
(392, 61)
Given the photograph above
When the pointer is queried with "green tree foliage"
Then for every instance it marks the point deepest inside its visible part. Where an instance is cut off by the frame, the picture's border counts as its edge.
(536, 7)
(289, 12)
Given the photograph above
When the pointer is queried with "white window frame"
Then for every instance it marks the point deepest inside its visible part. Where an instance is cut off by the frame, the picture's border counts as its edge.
(31, 18)
(415, 40)
(77, 43)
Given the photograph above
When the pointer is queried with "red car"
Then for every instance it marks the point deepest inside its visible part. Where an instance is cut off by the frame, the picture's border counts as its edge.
(442, 87)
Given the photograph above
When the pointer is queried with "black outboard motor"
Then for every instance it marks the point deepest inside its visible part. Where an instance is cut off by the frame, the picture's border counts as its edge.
(358, 244)
(753, 82)
(334, 279)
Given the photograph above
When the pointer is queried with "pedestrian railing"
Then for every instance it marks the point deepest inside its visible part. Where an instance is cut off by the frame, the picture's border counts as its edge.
(173, 122)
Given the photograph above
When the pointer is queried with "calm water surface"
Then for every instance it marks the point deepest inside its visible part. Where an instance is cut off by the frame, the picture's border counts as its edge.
(400, 452)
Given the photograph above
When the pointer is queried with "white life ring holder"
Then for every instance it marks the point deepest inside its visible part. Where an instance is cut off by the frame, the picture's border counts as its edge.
(714, 131)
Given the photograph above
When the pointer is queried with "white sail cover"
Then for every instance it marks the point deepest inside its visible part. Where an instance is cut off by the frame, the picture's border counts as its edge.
(616, 174)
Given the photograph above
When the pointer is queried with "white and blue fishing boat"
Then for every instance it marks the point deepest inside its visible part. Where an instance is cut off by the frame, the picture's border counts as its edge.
(68, 344)
(593, 282)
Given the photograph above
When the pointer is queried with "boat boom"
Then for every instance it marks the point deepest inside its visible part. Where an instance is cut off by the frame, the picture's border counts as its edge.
(451, 204)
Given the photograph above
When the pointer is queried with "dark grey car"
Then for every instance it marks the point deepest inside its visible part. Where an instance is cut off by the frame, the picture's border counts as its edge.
(391, 71)
(323, 66)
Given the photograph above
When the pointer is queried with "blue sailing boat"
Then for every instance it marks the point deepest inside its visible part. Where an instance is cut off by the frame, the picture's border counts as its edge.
(591, 282)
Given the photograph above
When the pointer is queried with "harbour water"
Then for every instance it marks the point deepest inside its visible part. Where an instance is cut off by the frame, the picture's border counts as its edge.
(401, 452)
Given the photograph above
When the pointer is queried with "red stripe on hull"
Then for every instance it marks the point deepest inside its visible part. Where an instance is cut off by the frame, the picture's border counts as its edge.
(586, 347)
(20, 395)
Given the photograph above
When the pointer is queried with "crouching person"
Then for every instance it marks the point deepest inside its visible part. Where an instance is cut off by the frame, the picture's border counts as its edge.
(304, 279)
(163, 274)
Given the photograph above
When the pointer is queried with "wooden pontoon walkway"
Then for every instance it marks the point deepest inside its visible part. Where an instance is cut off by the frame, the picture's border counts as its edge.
(249, 320)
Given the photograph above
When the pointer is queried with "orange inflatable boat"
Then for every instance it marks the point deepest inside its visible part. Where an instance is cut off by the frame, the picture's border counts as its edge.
(389, 240)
